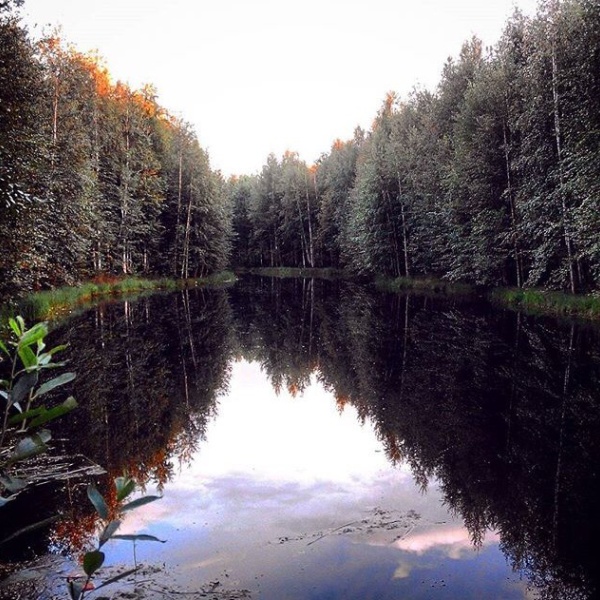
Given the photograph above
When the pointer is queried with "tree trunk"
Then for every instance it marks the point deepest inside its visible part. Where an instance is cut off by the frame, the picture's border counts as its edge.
(185, 258)
(563, 199)
(513, 211)
(390, 217)
(178, 216)
(311, 252)
(404, 231)
(125, 197)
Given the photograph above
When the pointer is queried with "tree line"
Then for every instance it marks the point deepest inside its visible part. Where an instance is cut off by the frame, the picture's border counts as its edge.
(96, 177)
(493, 178)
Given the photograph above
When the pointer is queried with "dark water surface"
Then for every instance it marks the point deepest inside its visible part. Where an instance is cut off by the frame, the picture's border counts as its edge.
(319, 440)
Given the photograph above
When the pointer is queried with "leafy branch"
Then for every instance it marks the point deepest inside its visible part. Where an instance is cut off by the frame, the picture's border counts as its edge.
(22, 415)
(110, 523)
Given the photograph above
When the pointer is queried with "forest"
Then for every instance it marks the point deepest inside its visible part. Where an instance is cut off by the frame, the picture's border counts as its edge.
(492, 178)
(96, 177)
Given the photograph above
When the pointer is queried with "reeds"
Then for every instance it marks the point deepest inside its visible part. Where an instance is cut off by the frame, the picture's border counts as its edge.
(50, 304)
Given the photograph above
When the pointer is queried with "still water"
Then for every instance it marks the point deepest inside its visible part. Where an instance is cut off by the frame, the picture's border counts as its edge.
(320, 440)
(290, 498)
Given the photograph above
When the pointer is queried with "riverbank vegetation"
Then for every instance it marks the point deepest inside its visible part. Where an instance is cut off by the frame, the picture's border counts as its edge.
(548, 302)
(56, 302)
(491, 179)
(320, 273)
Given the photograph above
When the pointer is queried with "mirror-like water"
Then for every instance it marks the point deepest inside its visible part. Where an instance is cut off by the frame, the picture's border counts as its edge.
(288, 498)
(317, 439)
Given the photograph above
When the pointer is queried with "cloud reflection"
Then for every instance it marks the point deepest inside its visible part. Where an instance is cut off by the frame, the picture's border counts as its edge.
(280, 479)
(453, 541)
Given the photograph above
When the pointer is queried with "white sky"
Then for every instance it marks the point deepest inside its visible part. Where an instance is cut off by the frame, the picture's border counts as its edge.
(260, 76)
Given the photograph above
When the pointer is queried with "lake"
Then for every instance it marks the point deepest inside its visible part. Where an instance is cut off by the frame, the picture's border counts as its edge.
(318, 439)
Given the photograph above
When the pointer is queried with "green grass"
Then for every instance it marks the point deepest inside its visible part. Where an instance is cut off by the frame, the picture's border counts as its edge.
(538, 301)
(51, 304)
(423, 285)
(533, 301)
(326, 273)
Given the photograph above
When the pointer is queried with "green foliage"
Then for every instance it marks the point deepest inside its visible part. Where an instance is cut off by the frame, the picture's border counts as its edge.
(548, 303)
(61, 301)
(110, 521)
(327, 273)
(490, 180)
(423, 285)
(24, 360)
(95, 177)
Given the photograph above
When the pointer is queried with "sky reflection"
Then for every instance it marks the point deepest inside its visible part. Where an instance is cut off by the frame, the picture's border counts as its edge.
(287, 497)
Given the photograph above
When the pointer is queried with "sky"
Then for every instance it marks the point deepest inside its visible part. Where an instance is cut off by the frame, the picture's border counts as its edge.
(261, 76)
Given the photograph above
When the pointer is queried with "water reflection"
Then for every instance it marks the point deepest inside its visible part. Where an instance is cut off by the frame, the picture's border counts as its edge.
(493, 413)
(288, 498)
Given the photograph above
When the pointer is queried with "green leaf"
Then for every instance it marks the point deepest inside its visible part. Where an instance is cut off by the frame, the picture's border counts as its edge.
(98, 501)
(34, 412)
(124, 486)
(75, 589)
(27, 357)
(44, 359)
(54, 383)
(4, 501)
(109, 531)
(33, 335)
(30, 446)
(53, 365)
(15, 327)
(4, 348)
(56, 349)
(139, 502)
(55, 412)
(21, 389)
(30, 528)
(142, 537)
(92, 561)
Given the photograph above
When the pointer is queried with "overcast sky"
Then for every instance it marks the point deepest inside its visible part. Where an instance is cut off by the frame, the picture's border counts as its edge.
(260, 76)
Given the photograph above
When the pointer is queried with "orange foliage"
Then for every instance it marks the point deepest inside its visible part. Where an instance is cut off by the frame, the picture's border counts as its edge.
(392, 448)
(341, 402)
(99, 73)
(105, 278)
(157, 467)
(75, 533)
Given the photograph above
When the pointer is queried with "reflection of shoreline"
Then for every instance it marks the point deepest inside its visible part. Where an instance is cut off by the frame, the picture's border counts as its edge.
(500, 408)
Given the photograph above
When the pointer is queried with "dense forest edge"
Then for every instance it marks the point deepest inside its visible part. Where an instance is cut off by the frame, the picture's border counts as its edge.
(492, 179)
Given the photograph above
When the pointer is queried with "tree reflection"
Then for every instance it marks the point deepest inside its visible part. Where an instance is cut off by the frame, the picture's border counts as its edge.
(501, 408)
(150, 373)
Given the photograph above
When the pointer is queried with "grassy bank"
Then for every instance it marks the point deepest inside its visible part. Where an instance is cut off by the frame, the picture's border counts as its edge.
(532, 301)
(51, 304)
(542, 302)
(426, 285)
(295, 272)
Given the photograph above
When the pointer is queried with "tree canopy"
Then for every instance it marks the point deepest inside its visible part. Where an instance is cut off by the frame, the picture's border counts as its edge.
(492, 178)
